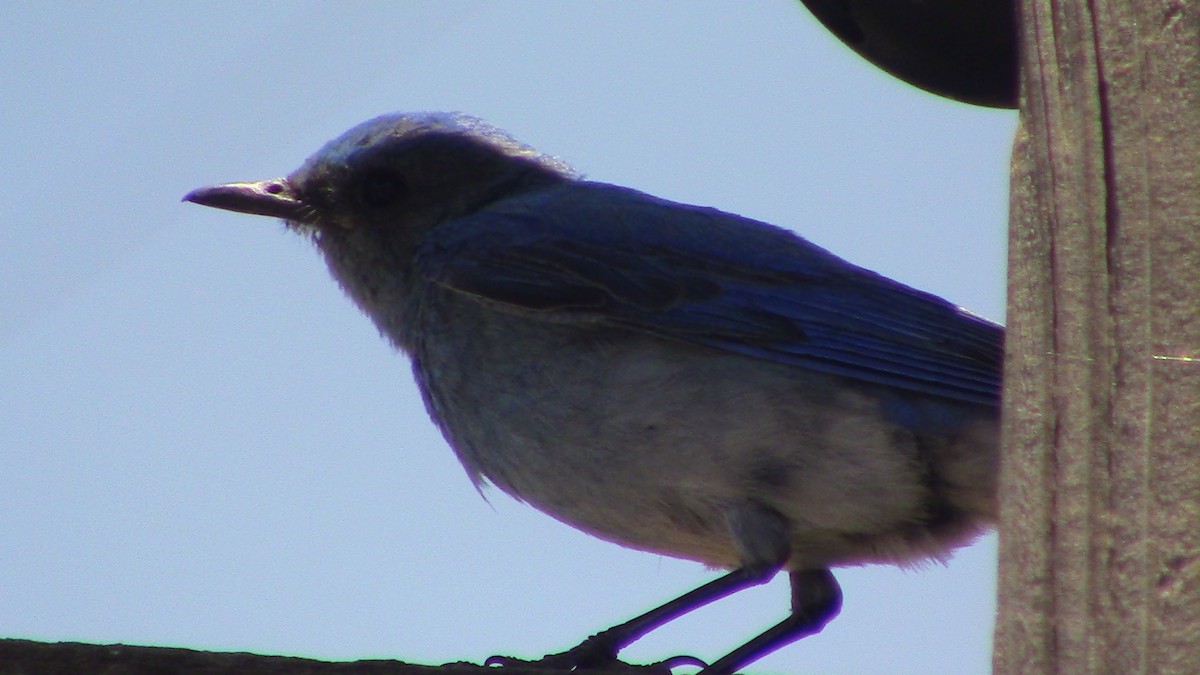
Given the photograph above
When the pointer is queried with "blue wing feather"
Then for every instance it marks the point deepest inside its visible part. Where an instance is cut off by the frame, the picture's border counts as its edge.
(595, 252)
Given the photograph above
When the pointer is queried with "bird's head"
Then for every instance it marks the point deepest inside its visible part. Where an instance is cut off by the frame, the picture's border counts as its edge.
(370, 195)
(399, 174)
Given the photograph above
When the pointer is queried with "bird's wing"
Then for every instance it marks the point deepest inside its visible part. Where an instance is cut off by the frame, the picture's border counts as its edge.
(588, 252)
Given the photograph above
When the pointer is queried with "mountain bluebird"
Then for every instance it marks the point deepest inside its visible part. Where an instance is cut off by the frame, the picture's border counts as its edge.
(671, 378)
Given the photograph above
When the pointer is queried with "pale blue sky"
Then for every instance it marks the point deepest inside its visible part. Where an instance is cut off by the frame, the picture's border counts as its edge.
(203, 444)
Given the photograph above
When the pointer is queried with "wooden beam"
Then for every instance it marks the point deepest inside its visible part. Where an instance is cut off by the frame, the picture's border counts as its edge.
(1100, 484)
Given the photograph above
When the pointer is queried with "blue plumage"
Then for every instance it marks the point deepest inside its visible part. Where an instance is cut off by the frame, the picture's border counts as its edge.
(596, 252)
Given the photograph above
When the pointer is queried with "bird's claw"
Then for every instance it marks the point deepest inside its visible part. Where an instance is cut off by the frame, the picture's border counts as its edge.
(586, 656)
(593, 652)
(680, 660)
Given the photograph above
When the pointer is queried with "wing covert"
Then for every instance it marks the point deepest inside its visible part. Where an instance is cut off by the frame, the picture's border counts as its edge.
(593, 252)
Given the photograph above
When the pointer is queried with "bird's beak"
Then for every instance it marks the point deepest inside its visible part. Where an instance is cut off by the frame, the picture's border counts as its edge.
(264, 198)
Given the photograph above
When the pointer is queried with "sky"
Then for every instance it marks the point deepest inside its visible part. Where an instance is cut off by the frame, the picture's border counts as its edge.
(203, 444)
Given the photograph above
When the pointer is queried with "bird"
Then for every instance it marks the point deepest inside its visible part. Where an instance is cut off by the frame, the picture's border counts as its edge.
(671, 378)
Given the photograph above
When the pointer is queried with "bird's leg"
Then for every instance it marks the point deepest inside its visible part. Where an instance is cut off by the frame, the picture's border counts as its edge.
(603, 647)
(816, 599)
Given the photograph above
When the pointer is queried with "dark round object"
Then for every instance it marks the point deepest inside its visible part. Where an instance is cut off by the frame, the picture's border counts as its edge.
(962, 49)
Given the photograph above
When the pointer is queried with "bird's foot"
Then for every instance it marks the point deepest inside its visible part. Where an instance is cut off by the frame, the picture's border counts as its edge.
(591, 653)
(681, 660)
(594, 652)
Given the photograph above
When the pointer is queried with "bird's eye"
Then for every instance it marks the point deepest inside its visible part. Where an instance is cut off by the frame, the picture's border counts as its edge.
(380, 188)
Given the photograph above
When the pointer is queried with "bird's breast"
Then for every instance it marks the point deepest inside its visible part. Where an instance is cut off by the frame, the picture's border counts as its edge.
(652, 442)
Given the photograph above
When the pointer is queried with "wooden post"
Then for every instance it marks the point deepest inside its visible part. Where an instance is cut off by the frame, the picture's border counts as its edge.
(1100, 484)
